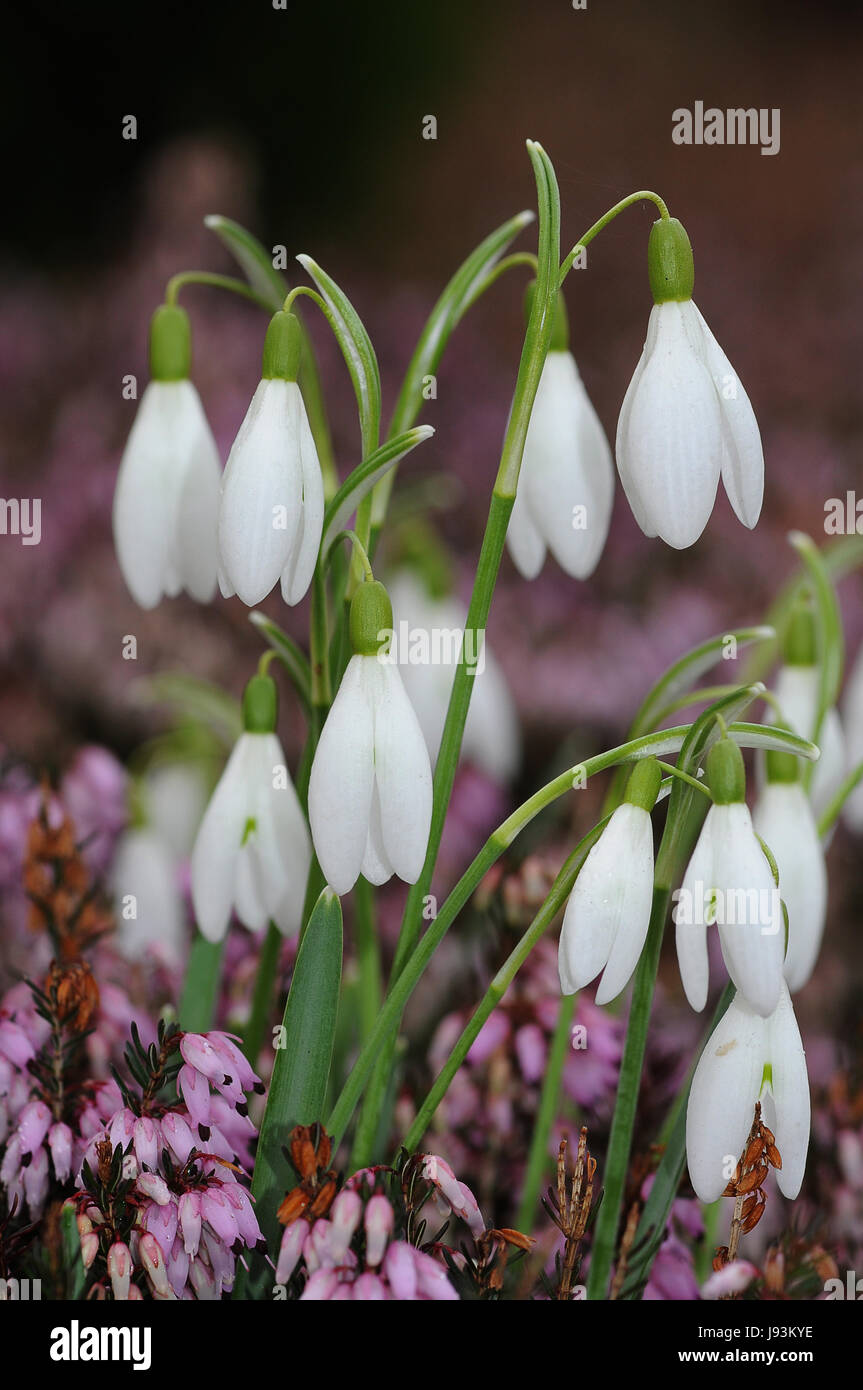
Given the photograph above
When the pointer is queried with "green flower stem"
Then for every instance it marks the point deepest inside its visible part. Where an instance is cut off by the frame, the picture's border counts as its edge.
(538, 1158)
(518, 258)
(268, 960)
(369, 998)
(831, 813)
(387, 1022)
(201, 985)
(220, 282)
(642, 195)
(560, 891)
(620, 1139)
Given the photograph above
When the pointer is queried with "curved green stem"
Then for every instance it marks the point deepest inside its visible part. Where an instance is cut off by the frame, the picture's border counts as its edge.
(643, 194)
(518, 258)
(219, 282)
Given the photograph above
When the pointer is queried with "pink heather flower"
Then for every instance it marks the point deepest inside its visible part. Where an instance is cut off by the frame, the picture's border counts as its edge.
(220, 1215)
(15, 1045)
(190, 1221)
(369, 1288)
(153, 1261)
(321, 1286)
(120, 1270)
(154, 1187)
(146, 1141)
(401, 1271)
(379, 1219)
(290, 1250)
(244, 1214)
(734, 1278)
(492, 1035)
(60, 1139)
(456, 1194)
(89, 1248)
(345, 1216)
(432, 1280)
(36, 1179)
(33, 1125)
(195, 1090)
(531, 1049)
(178, 1136)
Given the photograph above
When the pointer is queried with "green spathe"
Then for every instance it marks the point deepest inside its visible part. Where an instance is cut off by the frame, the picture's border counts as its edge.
(800, 644)
(669, 261)
(283, 348)
(371, 618)
(260, 705)
(726, 775)
(644, 782)
(170, 344)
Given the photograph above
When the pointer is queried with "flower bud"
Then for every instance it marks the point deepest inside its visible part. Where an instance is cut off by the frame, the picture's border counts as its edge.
(725, 773)
(260, 705)
(644, 782)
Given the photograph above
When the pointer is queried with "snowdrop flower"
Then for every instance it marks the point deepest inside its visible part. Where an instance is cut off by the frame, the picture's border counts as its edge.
(370, 792)
(798, 690)
(492, 741)
(748, 1059)
(686, 419)
(566, 484)
(608, 913)
(167, 496)
(729, 881)
(784, 820)
(272, 504)
(252, 852)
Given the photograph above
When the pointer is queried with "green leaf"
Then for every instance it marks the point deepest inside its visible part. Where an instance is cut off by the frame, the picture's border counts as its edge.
(252, 258)
(770, 738)
(76, 1275)
(446, 314)
(201, 984)
(294, 660)
(361, 481)
(298, 1087)
(356, 346)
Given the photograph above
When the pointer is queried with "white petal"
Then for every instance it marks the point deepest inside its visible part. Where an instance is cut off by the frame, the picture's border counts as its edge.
(790, 1093)
(742, 455)
(852, 719)
(295, 847)
(523, 540)
(689, 917)
(750, 920)
(376, 866)
(342, 777)
(402, 773)
(672, 445)
(298, 573)
(259, 515)
(636, 862)
(784, 820)
(567, 468)
(218, 843)
(722, 1099)
(610, 897)
(196, 539)
(166, 433)
(262, 878)
(630, 485)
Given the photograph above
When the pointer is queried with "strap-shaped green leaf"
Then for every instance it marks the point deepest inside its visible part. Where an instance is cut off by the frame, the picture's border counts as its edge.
(251, 257)
(360, 483)
(684, 674)
(299, 1082)
(356, 346)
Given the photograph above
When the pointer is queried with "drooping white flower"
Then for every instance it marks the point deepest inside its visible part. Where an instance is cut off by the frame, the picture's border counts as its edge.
(370, 791)
(252, 852)
(167, 495)
(608, 912)
(784, 820)
(426, 648)
(729, 882)
(566, 484)
(686, 420)
(272, 501)
(747, 1059)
